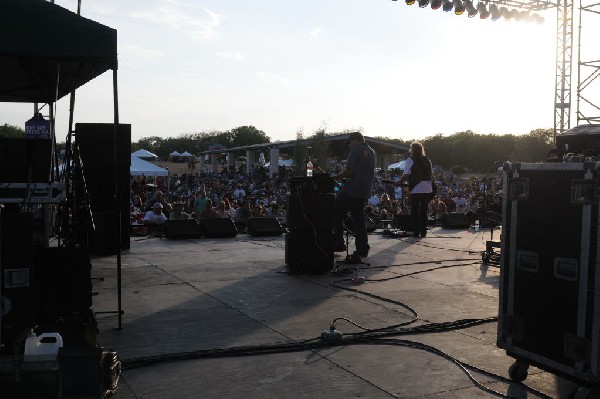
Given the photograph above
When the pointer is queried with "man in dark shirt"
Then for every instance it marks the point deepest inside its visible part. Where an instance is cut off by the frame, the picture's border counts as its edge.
(352, 197)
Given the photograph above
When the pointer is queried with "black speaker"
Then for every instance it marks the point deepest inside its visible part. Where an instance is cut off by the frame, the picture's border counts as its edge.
(62, 281)
(309, 252)
(17, 307)
(20, 156)
(187, 228)
(97, 148)
(218, 228)
(264, 227)
(455, 220)
(310, 212)
(104, 240)
(318, 183)
(403, 222)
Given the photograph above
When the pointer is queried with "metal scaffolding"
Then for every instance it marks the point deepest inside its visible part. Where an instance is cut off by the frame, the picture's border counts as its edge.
(588, 65)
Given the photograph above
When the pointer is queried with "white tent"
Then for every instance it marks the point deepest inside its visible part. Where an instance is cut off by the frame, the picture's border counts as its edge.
(185, 154)
(282, 162)
(397, 165)
(139, 167)
(175, 154)
(144, 154)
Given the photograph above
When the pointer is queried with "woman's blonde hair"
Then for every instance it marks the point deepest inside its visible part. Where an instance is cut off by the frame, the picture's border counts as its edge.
(416, 149)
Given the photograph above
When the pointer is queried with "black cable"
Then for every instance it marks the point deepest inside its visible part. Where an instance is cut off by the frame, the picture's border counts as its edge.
(313, 344)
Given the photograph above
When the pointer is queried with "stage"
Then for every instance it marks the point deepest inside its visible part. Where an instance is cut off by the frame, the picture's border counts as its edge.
(187, 303)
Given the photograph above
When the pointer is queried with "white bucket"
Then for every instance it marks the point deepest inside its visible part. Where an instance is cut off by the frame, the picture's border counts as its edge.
(42, 348)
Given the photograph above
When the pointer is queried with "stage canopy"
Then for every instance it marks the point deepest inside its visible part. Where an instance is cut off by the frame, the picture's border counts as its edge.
(47, 51)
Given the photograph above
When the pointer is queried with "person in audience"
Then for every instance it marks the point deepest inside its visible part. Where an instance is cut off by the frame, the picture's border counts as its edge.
(177, 213)
(209, 212)
(156, 215)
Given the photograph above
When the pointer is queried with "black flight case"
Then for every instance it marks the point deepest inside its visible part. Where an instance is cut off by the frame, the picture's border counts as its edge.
(549, 308)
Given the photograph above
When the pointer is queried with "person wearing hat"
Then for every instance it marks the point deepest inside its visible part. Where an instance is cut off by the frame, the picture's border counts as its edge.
(156, 215)
(353, 196)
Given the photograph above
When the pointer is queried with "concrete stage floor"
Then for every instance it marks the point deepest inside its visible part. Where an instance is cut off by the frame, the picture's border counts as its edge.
(187, 303)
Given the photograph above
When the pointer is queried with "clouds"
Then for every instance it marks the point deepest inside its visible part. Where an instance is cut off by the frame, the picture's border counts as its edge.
(272, 79)
(315, 33)
(234, 56)
(198, 23)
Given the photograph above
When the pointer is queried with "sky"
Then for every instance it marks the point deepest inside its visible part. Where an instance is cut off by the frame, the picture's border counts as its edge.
(379, 66)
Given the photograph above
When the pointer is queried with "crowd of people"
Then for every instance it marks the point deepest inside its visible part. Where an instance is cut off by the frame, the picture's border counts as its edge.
(240, 196)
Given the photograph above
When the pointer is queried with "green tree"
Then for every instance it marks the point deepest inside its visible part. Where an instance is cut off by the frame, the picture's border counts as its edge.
(11, 131)
(248, 135)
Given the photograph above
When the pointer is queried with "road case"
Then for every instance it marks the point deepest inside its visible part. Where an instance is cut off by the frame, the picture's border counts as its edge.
(549, 308)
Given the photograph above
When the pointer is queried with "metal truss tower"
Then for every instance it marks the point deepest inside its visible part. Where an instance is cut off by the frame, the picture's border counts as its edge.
(588, 65)
(564, 56)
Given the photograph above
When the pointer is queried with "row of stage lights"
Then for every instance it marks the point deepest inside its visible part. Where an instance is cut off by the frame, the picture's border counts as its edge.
(495, 12)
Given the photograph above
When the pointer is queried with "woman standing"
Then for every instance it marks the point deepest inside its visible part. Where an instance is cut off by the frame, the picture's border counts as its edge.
(417, 171)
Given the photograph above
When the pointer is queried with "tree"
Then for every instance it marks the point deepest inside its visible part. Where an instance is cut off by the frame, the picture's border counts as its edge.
(248, 135)
(11, 131)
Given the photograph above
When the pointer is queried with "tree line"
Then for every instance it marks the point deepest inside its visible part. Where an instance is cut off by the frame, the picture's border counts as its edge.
(469, 150)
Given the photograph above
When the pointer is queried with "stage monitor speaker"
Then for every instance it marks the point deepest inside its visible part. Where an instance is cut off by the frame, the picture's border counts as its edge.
(264, 227)
(187, 228)
(104, 239)
(403, 222)
(218, 228)
(318, 183)
(19, 156)
(97, 148)
(309, 252)
(310, 212)
(62, 281)
(455, 220)
(17, 306)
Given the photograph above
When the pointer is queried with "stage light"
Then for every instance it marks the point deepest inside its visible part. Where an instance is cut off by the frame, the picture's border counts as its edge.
(513, 15)
(459, 7)
(522, 15)
(495, 12)
(471, 11)
(504, 13)
(435, 4)
(410, 2)
(423, 3)
(483, 12)
(448, 5)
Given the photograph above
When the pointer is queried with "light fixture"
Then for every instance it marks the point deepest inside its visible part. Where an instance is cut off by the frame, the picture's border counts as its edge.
(483, 12)
(471, 10)
(435, 4)
(513, 15)
(459, 7)
(504, 13)
(423, 3)
(410, 2)
(495, 11)
(448, 5)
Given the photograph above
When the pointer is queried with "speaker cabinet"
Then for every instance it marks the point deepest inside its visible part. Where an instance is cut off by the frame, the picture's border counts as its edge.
(309, 252)
(17, 308)
(264, 227)
(106, 178)
(104, 240)
(98, 148)
(310, 212)
(62, 281)
(455, 220)
(403, 222)
(218, 228)
(19, 157)
(188, 228)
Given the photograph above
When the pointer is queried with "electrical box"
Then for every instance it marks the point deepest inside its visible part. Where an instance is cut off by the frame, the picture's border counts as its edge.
(549, 308)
